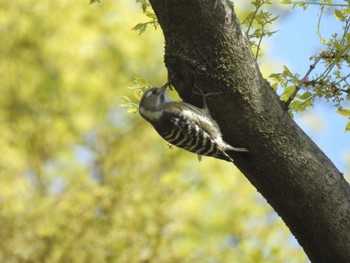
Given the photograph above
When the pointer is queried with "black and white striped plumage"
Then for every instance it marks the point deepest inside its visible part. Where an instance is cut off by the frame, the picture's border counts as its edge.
(184, 125)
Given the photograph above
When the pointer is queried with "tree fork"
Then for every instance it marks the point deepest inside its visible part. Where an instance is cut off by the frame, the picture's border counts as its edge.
(204, 45)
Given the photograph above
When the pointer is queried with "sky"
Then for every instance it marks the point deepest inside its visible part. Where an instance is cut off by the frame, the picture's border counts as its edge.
(293, 45)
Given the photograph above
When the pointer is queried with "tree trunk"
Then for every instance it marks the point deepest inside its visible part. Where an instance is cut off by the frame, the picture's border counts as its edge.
(205, 47)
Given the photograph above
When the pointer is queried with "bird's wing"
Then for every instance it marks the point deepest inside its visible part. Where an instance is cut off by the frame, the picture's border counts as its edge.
(200, 117)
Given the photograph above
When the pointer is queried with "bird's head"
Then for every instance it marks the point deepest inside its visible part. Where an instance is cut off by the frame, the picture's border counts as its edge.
(153, 101)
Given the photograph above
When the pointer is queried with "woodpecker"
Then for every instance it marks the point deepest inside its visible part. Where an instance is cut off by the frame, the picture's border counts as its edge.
(184, 125)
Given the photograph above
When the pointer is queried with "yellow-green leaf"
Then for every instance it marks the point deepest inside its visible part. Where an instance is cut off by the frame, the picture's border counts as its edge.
(339, 14)
(344, 112)
(287, 71)
(286, 2)
(151, 15)
(347, 128)
(289, 91)
(306, 95)
(138, 26)
(297, 105)
(138, 94)
(324, 41)
(131, 111)
(274, 86)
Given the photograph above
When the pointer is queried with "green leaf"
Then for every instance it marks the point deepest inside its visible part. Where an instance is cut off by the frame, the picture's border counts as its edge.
(274, 86)
(324, 41)
(337, 45)
(297, 105)
(151, 15)
(344, 112)
(347, 127)
(289, 91)
(141, 82)
(125, 99)
(305, 96)
(139, 26)
(276, 76)
(339, 14)
(131, 111)
(286, 2)
(287, 72)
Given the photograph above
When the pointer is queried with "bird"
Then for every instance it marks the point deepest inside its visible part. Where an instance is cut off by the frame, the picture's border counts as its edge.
(184, 125)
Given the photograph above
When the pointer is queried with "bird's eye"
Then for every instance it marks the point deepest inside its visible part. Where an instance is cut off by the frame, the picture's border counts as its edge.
(154, 92)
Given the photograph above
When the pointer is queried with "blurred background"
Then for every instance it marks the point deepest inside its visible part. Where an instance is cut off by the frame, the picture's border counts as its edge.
(82, 180)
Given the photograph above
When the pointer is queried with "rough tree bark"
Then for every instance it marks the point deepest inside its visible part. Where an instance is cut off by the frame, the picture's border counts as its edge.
(204, 46)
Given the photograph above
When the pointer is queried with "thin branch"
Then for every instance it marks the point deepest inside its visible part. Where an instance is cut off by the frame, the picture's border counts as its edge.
(259, 44)
(251, 21)
(314, 83)
(301, 83)
(315, 3)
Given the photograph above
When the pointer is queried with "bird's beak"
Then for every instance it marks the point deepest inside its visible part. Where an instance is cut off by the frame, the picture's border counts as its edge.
(164, 87)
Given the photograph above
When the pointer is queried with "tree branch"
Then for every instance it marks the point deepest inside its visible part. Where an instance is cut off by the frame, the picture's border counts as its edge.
(301, 84)
(206, 46)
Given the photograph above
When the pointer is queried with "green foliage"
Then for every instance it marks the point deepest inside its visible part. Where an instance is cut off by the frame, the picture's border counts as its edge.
(81, 181)
(305, 4)
(332, 83)
(258, 20)
(290, 83)
(139, 86)
(144, 5)
(141, 27)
